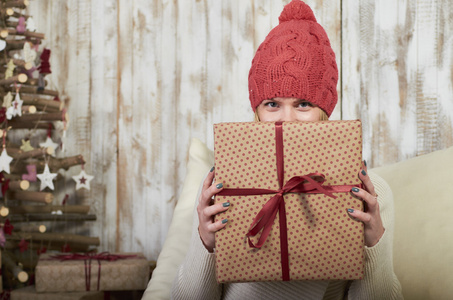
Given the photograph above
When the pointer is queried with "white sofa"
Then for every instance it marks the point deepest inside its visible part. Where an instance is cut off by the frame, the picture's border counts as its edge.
(423, 241)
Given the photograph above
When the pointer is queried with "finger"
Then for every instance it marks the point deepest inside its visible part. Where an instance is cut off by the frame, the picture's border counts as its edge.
(208, 180)
(205, 212)
(373, 226)
(209, 189)
(216, 226)
(371, 201)
(363, 176)
(208, 193)
(364, 166)
(212, 210)
(359, 215)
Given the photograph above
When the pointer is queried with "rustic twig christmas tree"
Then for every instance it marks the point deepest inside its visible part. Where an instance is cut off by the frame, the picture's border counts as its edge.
(32, 155)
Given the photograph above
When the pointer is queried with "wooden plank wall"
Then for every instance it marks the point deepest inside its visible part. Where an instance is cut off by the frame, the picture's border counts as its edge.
(141, 78)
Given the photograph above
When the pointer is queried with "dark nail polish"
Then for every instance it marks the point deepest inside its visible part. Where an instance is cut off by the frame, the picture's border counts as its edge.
(224, 221)
(363, 173)
(364, 162)
(355, 190)
(350, 210)
(226, 204)
(219, 186)
(212, 169)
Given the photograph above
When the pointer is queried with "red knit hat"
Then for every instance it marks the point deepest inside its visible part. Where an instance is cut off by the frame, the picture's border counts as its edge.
(295, 60)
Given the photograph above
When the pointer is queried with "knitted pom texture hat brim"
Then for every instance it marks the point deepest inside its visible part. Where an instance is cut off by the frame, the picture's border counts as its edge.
(295, 60)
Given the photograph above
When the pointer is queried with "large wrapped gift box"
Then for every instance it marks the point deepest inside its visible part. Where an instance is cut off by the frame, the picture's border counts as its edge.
(29, 292)
(91, 272)
(289, 186)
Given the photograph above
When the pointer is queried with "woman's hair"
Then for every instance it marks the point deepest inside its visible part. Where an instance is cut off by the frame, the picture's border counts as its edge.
(322, 116)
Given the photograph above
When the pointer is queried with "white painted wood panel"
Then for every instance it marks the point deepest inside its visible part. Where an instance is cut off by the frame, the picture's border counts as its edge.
(391, 73)
(141, 78)
(103, 110)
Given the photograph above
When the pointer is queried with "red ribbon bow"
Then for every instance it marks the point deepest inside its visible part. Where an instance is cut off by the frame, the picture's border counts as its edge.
(264, 219)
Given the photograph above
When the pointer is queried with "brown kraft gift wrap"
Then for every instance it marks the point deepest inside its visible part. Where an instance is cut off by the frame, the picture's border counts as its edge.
(289, 186)
(69, 272)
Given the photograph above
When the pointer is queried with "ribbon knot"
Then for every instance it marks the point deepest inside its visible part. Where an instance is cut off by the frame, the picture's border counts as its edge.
(265, 218)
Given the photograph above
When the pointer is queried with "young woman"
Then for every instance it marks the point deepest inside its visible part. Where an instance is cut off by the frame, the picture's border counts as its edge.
(293, 78)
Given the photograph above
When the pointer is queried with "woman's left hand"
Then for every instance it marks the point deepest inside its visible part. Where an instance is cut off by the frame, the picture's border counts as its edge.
(370, 217)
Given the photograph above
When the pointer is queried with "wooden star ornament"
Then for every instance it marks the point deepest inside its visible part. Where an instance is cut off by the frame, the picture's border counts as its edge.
(83, 180)
(46, 178)
(10, 66)
(49, 144)
(5, 160)
(29, 53)
(7, 100)
(15, 109)
(26, 146)
(31, 24)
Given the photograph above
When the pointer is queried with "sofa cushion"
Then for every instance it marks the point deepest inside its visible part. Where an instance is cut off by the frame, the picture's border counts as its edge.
(201, 160)
(423, 243)
(423, 240)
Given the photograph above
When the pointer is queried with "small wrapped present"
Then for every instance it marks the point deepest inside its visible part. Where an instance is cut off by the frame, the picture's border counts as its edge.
(29, 292)
(91, 272)
(289, 186)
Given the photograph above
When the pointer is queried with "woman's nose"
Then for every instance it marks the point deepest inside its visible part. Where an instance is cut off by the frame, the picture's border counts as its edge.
(288, 115)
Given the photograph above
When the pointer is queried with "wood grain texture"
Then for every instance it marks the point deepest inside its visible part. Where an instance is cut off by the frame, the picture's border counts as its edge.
(103, 111)
(141, 78)
(391, 74)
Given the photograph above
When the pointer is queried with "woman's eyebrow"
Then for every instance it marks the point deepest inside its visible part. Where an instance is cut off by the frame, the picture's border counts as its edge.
(298, 101)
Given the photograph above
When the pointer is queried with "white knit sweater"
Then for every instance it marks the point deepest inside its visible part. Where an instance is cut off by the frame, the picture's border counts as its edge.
(196, 276)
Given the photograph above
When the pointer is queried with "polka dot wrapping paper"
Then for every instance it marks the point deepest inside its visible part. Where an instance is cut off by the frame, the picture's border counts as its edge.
(78, 272)
(288, 185)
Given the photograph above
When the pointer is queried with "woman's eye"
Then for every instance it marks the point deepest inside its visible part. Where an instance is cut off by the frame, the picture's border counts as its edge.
(305, 104)
(271, 104)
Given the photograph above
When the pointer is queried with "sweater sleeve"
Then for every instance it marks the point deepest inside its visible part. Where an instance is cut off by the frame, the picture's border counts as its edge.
(380, 281)
(196, 278)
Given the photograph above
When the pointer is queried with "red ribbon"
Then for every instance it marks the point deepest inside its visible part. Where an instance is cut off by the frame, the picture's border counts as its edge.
(4, 184)
(87, 258)
(309, 184)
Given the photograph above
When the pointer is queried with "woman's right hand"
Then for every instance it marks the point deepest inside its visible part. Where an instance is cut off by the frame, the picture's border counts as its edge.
(207, 210)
